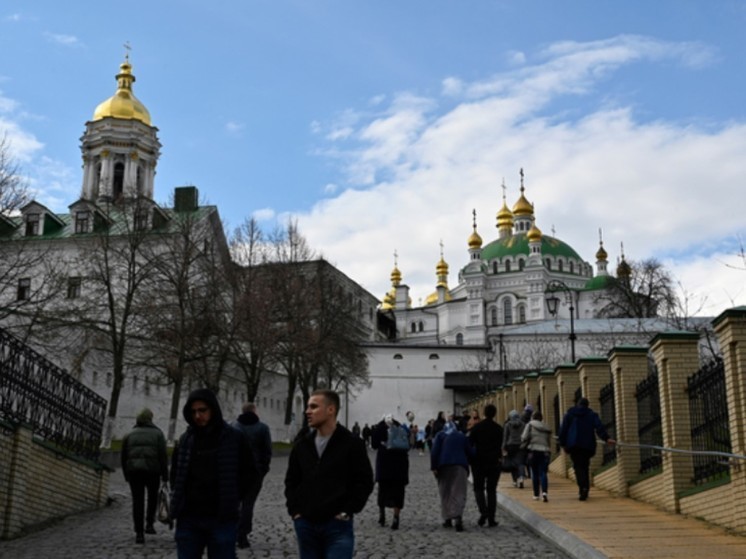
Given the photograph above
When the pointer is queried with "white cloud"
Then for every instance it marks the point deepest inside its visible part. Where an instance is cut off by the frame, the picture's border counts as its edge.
(13, 17)
(264, 214)
(516, 58)
(330, 188)
(61, 39)
(659, 187)
(452, 86)
(234, 128)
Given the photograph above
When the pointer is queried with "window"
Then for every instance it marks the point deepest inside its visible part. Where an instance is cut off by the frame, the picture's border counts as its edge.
(459, 339)
(572, 267)
(24, 289)
(82, 220)
(549, 264)
(560, 266)
(73, 287)
(494, 267)
(493, 316)
(521, 263)
(413, 328)
(508, 311)
(421, 326)
(398, 356)
(141, 220)
(507, 265)
(434, 356)
(32, 224)
(118, 180)
(522, 314)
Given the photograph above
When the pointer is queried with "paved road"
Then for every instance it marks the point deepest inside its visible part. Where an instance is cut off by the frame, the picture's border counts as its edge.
(107, 533)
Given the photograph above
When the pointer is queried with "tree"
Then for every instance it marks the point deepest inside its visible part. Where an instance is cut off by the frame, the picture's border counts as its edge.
(643, 289)
(13, 186)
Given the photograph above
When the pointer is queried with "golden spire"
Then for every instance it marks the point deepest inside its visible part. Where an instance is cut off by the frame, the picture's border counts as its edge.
(441, 270)
(474, 241)
(623, 270)
(395, 273)
(601, 253)
(522, 206)
(389, 300)
(123, 104)
(504, 216)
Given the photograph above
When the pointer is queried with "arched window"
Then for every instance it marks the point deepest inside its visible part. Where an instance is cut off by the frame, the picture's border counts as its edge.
(522, 314)
(507, 265)
(494, 267)
(572, 267)
(508, 311)
(118, 189)
(493, 316)
(548, 263)
(521, 263)
(421, 326)
(560, 266)
(398, 356)
(139, 180)
(459, 339)
(434, 356)
(97, 180)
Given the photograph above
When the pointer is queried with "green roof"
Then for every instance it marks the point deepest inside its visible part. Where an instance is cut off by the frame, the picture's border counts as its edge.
(599, 282)
(517, 244)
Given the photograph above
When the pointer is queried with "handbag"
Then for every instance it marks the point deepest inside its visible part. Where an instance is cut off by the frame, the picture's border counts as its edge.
(164, 505)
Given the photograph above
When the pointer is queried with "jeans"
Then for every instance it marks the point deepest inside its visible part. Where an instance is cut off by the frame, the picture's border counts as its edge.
(581, 461)
(539, 466)
(195, 533)
(245, 524)
(332, 539)
(485, 485)
(139, 482)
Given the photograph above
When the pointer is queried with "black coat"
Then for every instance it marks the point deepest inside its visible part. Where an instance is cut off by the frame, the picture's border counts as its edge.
(391, 464)
(487, 439)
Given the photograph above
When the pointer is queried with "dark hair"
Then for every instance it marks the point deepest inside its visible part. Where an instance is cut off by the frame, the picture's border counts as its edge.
(584, 403)
(490, 411)
(537, 416)
(331, 397)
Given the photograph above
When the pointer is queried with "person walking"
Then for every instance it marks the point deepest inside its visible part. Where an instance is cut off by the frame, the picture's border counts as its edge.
(211, 470)
(512, 432)
(392, 469)
(260, 440)
(328, 480)
(367, 431)
(486, 437)
(144, 464)
(449, 462)
(537, 438)
(577, 437)
(356, 429)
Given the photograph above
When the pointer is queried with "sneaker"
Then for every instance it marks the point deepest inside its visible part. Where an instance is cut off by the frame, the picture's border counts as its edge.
(515, 484)
(139, 538)
(491, 522)
(448, 524)
(536, 497)
(482, 520)
(520, 483)
(544, 497)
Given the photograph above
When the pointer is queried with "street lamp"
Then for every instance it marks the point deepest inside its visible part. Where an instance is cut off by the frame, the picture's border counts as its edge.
(552, 301)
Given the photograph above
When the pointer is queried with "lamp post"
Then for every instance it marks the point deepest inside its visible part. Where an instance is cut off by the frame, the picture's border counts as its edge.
(552, 301)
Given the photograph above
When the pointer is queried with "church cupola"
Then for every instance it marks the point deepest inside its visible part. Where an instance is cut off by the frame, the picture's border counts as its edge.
(474, 241)
(389, 300)
(523, 212)
(120, 147)
(504, 218)
(623, 270)
(601, 257)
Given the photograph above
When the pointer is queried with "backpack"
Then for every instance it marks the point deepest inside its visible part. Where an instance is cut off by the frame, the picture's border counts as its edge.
(398, 438)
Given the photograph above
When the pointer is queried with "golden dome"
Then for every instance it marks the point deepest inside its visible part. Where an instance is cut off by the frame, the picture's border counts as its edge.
(534, 234)
(389, 301)
(442, 268)
(395, 276)
(504, 217)
(523, 206)
(601, 253)
(123, 104)
(475, 241)
(433, 297)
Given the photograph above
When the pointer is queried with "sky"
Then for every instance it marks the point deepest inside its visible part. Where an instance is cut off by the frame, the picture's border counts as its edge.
(380, 126)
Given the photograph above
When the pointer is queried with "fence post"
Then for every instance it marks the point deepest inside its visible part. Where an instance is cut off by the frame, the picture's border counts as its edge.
(548, 390)
(629, 366)
(594, 374)
(19, 467)
(730, 328)
(568, 382)
(531, 387)
(676, 355)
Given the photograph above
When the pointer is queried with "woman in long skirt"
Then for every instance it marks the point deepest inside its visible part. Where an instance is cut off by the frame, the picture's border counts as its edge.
(392, 472)
(449, 461)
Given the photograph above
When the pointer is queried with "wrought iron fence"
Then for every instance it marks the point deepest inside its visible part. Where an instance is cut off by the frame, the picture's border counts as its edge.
(557, 418)
(608, 418)
(650, 431)
(708, 412)
(58, 408)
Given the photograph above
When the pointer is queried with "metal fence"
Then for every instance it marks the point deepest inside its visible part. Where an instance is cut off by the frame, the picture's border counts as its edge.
(708, 412)
(557, 418)
(650, 431)
(58, 408)
(608, 418)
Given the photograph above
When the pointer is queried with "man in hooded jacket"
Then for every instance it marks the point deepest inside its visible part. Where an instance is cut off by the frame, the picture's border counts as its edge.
(211, 469)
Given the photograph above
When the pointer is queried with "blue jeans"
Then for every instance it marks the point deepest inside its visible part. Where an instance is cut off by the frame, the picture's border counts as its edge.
(333, 539)
(539, 467)
(195, 533)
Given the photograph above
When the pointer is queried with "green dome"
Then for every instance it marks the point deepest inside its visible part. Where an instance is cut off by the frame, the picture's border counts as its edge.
(599, 282)
(517, 244)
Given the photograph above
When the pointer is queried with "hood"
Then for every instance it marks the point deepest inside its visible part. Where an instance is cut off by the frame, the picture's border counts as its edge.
(580, 411)
(248, 418)
(145, 417)
(207, 396)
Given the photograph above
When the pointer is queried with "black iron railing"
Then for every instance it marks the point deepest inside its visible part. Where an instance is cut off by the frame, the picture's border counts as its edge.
(38, 393)
(608, 418)
(649, 422)
(708, 412)
(557, 418)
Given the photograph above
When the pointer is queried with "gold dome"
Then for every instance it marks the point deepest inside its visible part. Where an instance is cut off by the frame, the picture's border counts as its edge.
(601, 253)
(475, 241)
(504, 217)
(442, 268)
(389, 301)
(395, 276)
(123, 104)
(523, 206)
(534, 234)
(433, 297)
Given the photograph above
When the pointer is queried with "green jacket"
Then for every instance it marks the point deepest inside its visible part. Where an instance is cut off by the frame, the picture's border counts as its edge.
(144, 450)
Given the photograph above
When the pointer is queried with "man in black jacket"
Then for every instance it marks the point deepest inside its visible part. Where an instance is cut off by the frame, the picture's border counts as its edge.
(329, 479)
(487, 439)
(210, 473)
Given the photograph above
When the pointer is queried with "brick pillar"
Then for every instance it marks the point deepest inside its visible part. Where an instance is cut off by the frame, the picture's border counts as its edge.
(548, 390)
(531, 386)
(519, 393)
(730, 328)
(594, 374)
(629, 366)
(17, 482)
(568, 382)
(676, 355)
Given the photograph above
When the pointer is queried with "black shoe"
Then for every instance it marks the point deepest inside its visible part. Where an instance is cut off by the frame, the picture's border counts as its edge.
(149, 529)
(459, 525)
(242, 542)
(139, 538)
(395, 523)
(382, 520)
(583, 495)
(482, 520)
(491, 522)
(448, 524)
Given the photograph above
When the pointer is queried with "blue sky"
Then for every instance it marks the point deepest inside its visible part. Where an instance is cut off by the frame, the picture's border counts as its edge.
(381, 125)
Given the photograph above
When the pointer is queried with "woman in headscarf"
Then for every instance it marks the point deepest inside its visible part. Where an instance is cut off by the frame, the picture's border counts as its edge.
(449, 461)
(392, 470)
(512, 433)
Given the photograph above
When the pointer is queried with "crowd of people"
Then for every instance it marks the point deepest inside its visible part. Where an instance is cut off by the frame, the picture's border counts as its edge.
(217, 470)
